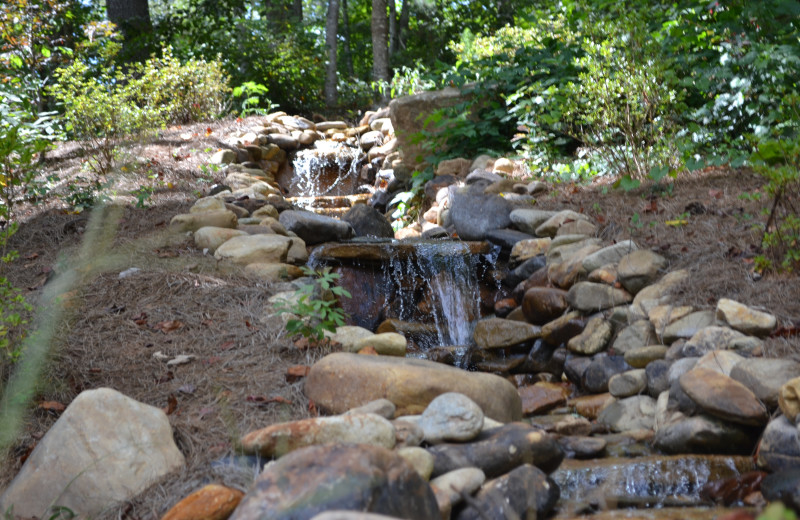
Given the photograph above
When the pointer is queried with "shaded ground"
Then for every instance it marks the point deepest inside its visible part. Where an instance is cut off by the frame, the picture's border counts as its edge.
(182, 302)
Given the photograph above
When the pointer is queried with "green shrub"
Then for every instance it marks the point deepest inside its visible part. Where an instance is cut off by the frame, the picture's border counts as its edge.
(109, 106)
(315, 306)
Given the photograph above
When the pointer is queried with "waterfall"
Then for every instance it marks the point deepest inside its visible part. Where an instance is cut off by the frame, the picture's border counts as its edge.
(432, 285)
(329, 168)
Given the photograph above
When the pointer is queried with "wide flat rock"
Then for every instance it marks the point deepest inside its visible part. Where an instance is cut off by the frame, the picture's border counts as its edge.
(723, 397)
(379, 251)
(341, 381)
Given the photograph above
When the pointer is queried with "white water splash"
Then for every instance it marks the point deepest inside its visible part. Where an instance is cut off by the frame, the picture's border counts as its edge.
(329, 168)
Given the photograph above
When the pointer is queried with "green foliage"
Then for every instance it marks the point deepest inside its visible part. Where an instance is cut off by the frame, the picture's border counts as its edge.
(777, 159)
(105, 107)
(315, 306)
(13, 306)
(777, 511)
(249, 94)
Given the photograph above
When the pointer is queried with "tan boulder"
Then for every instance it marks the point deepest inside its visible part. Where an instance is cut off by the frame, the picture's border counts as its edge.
(212, 237)
(277, 272)
(194, 221)
(251, 249)
(342, 381)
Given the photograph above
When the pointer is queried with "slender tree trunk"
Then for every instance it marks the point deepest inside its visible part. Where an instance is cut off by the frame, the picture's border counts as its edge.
(505, 15)
(133, 19)
(348, 55)
(276, 13)
(331, 29)
(392, 27)
(402, 27)
(297, 11)
(380, 45)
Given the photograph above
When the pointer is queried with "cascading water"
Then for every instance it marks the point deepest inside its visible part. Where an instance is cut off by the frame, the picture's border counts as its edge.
(431, 286)
(329, 168)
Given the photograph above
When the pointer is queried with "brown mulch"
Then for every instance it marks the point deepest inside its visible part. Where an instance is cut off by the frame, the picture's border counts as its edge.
(182, 302)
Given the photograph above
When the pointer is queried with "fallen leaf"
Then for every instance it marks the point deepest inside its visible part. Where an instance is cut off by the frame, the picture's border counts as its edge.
(651, 207)
(676, 223)
(168, 326)
(32, 256)
(141, 319)
(52, 406)
(172, 404)
(209, 131)
(227, 345)
(211, 360)
(297, 372)
(785, 332)
(715, 194)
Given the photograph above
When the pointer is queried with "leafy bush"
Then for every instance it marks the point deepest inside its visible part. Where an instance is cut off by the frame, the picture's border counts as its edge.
(315, 306)
(777, 159)
(109, 106)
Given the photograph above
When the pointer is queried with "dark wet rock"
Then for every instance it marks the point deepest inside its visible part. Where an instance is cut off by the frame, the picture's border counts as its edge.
(539, 278)
(500, 450)
(704, 434)
(544, 357)
(433, 186)
(543, 304)
(542, 397)
(524, 270)
(475, 214)
(506, 238)
(657, 375)
(575, 367)
(499, 333)
(764, 377)
(632, 413)
(346, 477)
(724, 397)
(600, 370)
(315, 229)
(435, 232)
(518, 494)
(482, 176)
(653, 480)
(561, 330)
(680, 400)
(590, 406)
(780, 446)
(577, 447)
(733, 490)
(368, 222)
(784, 486)
(495, 362)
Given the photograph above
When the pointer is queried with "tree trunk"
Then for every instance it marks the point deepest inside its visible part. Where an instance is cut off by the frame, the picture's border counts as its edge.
(297, 11)
(505, 15)
(331, 28)
(276, 13)
(348, 54)
(133, 19)
(380, 45)
(392, 28)
(402, 27)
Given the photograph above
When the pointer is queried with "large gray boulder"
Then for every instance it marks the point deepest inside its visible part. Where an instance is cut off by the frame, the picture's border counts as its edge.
(104, 449)
(475, 213)
(409, 114)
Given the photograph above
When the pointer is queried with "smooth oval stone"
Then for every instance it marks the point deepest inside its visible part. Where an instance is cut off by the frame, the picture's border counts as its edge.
(576, 447)
(780, 446)
(765, 377)
(656, 374)
(723, 397)
(593, 339)
(499, 333)
(590, 406)
(721, 361)
(592, 297)
(562, 329)
(628, 383)
(642, 356)
(599, 372)
(789, 399)
(638, 334)
(687, 326)
(639, 269)
(609, 255)
(704, 434)
(341, 381)
(709, 339)
(212, 502)
(543, 304)
(451, 417)
(419, 459)
(279, 439)
(451, 487)
(542, 397)
(744, 319)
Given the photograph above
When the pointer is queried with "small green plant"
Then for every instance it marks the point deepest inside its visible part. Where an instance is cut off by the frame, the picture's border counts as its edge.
(253, 99)
(777, 511)
(315, 306)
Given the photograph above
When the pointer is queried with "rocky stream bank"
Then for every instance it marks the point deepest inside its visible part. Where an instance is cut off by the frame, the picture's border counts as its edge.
(502, 361)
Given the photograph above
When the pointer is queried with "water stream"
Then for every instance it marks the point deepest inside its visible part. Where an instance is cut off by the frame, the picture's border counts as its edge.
(328, 168)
